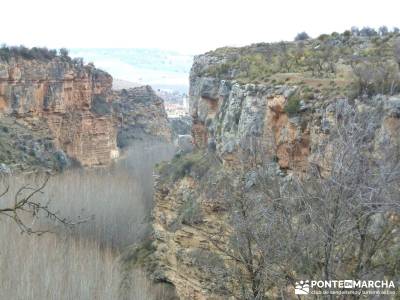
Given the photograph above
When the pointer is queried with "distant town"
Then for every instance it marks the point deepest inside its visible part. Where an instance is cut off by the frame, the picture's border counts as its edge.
(176, 103)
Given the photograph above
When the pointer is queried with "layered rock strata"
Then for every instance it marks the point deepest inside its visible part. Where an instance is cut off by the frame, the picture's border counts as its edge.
(77, 109)
(230, 118)
(62, 93)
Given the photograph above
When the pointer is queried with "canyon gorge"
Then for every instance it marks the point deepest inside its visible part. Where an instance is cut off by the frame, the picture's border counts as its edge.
(291, 171)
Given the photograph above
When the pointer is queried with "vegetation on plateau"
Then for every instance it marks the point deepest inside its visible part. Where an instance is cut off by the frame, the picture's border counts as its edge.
(353, 63)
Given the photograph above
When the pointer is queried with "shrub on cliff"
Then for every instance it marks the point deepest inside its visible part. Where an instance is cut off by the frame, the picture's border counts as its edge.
(40, 53)
(100, 105)
(375, 77)
(368, 32)
(195, 164)
(7, 52)
(64, 53)
(302, 36)
(292, 106)
(330, 56)
(189, 213)
(218, 70)
(4, 53)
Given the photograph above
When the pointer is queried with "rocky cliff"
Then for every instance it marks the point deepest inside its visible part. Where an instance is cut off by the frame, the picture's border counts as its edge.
(239, 122)
(61, 92)
(140, 113)
(68, 111)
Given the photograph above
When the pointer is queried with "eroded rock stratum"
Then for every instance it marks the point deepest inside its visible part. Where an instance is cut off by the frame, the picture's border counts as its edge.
(62, 93)
(283, 123)
(73, 106)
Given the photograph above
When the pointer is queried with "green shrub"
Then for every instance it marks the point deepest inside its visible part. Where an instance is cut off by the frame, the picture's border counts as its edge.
(293, 105)
(181, 166)
(100, 106)
(308, 95)
(190, 212)
(302, 36)
(6, 52)
(195, 164)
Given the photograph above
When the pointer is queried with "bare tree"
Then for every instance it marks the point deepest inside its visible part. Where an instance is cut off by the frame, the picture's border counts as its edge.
(351, 203)
(368, 32)
(355, 30)
(25, 208)
(375, 76)
(383, 31)
(299, 53)
(257, 212)
(337, 220)
(284, 58)
(323, 58)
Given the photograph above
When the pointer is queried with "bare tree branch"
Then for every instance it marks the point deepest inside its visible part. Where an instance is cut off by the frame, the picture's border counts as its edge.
(26, 208)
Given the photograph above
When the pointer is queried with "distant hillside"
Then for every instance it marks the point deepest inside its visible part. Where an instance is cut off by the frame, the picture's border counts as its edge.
(155, 67)
(119, 84)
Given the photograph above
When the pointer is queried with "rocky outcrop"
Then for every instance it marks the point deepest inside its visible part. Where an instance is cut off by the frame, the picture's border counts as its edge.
(184, 253)
(184, 143)
(140, 113)
(274, 121)
(233, 114)
(62, 92)
(26, 145)
(78, 112)
(181, 125)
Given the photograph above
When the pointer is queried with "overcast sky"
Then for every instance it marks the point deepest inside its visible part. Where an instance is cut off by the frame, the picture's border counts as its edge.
(183, 25)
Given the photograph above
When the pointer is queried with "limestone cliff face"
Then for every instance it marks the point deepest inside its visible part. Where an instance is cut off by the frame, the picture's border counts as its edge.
(233, 114)
(62, 92)
(140, 113)
(227, 117)
(183, 250)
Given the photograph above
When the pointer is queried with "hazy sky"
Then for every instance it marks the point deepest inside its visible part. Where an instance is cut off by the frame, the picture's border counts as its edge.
(185, 25)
